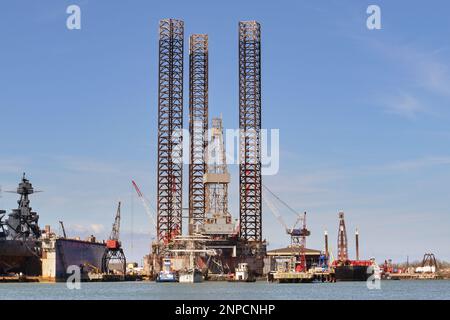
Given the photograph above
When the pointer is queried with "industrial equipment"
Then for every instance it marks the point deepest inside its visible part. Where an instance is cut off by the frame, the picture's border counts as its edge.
(145, 203)
(114, 252)
(63, 229)
(250, 176)
(198, 128)
(170, 126)
(298, 235)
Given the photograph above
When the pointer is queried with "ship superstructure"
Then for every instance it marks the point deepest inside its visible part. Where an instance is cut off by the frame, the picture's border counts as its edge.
(20, 246)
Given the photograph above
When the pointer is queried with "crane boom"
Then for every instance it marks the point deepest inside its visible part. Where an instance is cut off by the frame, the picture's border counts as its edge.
(116, 226)
(144, 202)
(63, 229)
(276, 213)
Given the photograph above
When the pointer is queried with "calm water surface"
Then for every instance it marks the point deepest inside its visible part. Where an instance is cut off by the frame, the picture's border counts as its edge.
(228, 291)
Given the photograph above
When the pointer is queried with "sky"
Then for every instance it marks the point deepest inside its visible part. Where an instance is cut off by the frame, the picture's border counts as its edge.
(363, 115)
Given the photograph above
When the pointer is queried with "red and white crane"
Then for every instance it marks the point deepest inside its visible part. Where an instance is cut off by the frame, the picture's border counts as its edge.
(145, 203)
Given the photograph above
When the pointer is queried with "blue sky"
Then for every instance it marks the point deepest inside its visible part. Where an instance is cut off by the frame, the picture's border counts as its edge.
(364, 115)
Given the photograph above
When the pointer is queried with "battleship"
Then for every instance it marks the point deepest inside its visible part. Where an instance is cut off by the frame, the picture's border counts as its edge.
(20, 248)
(27, 250)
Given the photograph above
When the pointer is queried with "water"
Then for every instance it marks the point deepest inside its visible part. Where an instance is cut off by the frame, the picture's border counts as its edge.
(228, 291)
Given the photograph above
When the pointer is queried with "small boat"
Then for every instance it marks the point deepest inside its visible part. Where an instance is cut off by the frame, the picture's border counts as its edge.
(167, 274)
(242, 274)
(166, 277)
(191, 276)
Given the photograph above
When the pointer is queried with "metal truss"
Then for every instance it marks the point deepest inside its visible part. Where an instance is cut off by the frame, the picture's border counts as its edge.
(170, 124)
(198, 128)
(342, 239)
(250, 126)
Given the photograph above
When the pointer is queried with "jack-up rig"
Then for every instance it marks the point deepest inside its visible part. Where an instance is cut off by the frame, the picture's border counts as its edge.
(219, 245)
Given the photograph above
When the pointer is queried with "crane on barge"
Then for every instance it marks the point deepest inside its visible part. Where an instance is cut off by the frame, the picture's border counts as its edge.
(298, 235)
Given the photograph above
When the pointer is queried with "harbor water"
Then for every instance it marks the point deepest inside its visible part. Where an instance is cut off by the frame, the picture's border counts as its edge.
(420, 290)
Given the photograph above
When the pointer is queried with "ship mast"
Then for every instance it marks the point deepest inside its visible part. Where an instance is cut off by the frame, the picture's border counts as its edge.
(23, 222)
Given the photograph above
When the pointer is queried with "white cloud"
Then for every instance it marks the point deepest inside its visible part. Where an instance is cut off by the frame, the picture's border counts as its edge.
(427, 74)
(11, 165)
(406, 106)
(419, 163)
(84, 165)
(94, 228)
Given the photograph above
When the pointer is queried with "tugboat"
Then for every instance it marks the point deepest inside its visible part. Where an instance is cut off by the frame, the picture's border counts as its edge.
(20, 246)
(242, 274)
(167, 274)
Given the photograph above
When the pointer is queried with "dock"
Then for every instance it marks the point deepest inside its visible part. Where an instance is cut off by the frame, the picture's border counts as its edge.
(18, 278)
(414, 276)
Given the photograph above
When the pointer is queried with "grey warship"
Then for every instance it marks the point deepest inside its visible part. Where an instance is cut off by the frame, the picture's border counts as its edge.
(20, 245)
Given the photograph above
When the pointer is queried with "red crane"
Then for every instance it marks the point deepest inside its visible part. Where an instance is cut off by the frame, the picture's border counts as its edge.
(114, 252)
(342, 239)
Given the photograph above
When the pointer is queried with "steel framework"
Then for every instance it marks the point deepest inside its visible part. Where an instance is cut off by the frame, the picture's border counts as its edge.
(217, 177)
(170, 124)
(250, 126)
(342, 239)
(198, 128)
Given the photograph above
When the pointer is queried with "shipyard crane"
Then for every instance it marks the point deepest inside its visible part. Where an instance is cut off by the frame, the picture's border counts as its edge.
(114, 252)
(145, 202)
(298, 235)
(63, 229)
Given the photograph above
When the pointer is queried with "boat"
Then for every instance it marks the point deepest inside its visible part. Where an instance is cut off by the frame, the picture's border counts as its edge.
(167, 274)
(191, 276)
(356, 270)
(20, 246)
(242, 274)
(27, 249)
(60, 253)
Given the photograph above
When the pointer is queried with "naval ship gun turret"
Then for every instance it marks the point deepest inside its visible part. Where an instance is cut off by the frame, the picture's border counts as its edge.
(22, 223)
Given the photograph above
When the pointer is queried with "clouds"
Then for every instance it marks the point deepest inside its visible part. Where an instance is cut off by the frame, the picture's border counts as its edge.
(405, 105)
(12, 165)
(420, 76)
(434, 75)
(86, 229)
(420, 163)
(88, 165)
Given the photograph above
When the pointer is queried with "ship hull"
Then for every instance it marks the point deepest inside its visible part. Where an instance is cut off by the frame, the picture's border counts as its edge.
(166, 277)
(60, 254)
(191, 277)
(352, 273)
(18, 256)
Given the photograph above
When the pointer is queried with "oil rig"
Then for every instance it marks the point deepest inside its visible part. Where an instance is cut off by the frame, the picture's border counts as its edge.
(214, 242)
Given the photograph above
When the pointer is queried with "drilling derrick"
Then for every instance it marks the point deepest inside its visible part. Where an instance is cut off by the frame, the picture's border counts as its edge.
(198, 128)
(218, 220)
(250, 126)
(170, 124)
(342, 239)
